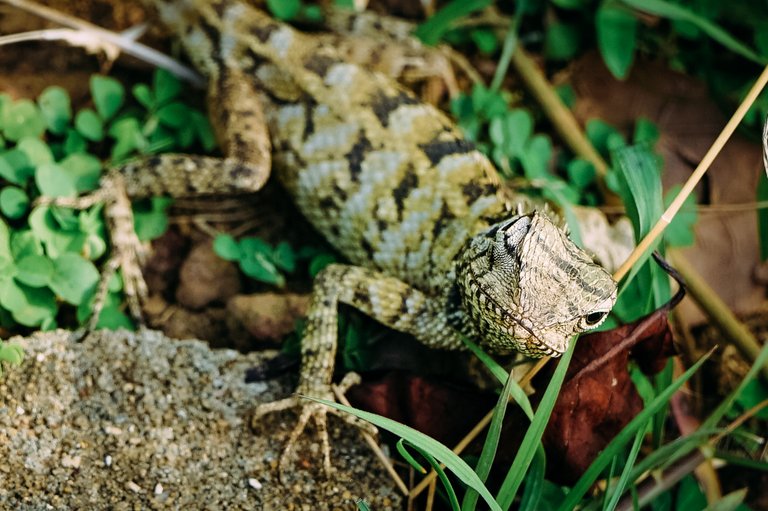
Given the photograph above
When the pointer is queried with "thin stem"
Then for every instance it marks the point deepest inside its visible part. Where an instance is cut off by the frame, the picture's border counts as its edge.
(689, 185)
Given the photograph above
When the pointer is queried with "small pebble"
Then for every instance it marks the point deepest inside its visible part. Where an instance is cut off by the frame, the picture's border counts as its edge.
(70, 461)
(108, 460)
(112, 430)
(158, 489)
(254, 483)
(133, 487)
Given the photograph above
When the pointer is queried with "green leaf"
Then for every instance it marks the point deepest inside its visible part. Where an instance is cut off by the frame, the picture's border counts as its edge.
(431, 31)
(689, 495)
(227, 247)
(129, 136)
(562, 41)
(24, 242)
(14, 202)
(753, 394)
(485, 40)
(251, 245)
(536, 158)
(34, 270)
(22, 119)
(11, 353)
(74, 142)
(108, 96)
(5, 239)
(319, 262)
(284, 257)
(46, 224)
(259, 267)
(285, 10)
(570, 4)
(56, 109)
(84, 170)
(165, 86)
(646, 132)
(616, 38)
(36, 150)
(73, 276)
(89, 125)
(144, 95)
(512, 131)
(679, 232)
(429, 445)
(581, 173)
(53, 181)
(203, 130)
(29, 306)
(15, 166)
(173, 115)
(152, 222)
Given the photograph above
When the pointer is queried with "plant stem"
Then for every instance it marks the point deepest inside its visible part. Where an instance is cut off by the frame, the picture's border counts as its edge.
(717, 311)
(561, 117)
(687, 189)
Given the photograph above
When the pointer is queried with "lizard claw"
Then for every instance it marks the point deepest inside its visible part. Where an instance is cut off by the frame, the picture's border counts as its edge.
(318, 412)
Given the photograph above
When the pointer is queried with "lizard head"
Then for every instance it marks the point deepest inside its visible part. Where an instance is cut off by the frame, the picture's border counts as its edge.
(527, 287)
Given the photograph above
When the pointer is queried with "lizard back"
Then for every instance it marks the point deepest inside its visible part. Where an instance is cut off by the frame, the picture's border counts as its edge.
(387, 179)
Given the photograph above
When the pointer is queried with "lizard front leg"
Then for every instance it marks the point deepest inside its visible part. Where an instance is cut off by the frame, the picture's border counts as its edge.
(240, 128)
(387, 300)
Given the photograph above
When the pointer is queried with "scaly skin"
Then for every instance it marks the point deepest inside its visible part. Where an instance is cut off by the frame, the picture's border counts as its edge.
(434, 247)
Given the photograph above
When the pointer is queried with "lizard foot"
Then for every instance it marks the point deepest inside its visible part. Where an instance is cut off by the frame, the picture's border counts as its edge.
(129, 254)
(318, 413)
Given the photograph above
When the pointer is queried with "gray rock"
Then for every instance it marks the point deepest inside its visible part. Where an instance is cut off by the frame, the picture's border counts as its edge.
(139, 421)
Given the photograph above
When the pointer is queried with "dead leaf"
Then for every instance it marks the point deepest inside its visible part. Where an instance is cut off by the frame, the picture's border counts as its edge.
(689, 120)
(598, 398)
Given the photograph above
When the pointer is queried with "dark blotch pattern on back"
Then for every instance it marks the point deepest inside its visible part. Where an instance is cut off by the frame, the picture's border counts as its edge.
(438, 149)
(383, 105)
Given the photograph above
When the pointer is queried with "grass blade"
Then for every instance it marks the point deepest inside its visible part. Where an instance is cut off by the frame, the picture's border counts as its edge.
(624, 478)
(617, 444)
(532, 438)
(452, 498)
(534, 483)
(517, 392)
(491, 444)
(429, 445)
(681, 13)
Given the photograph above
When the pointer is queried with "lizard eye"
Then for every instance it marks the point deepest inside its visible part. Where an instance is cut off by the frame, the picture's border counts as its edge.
(593, 319)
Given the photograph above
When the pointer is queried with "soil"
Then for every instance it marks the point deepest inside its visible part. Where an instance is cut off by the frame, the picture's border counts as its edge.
(139, 421)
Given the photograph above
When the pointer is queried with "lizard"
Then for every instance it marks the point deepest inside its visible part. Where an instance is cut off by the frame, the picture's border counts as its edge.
(435, 246)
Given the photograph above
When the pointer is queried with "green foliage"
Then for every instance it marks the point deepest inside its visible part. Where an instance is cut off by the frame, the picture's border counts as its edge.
(616, 37)
(295, 10)
(48, 254)
(266, 263)
(762, 215)
(10, 353)
(431, 31)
